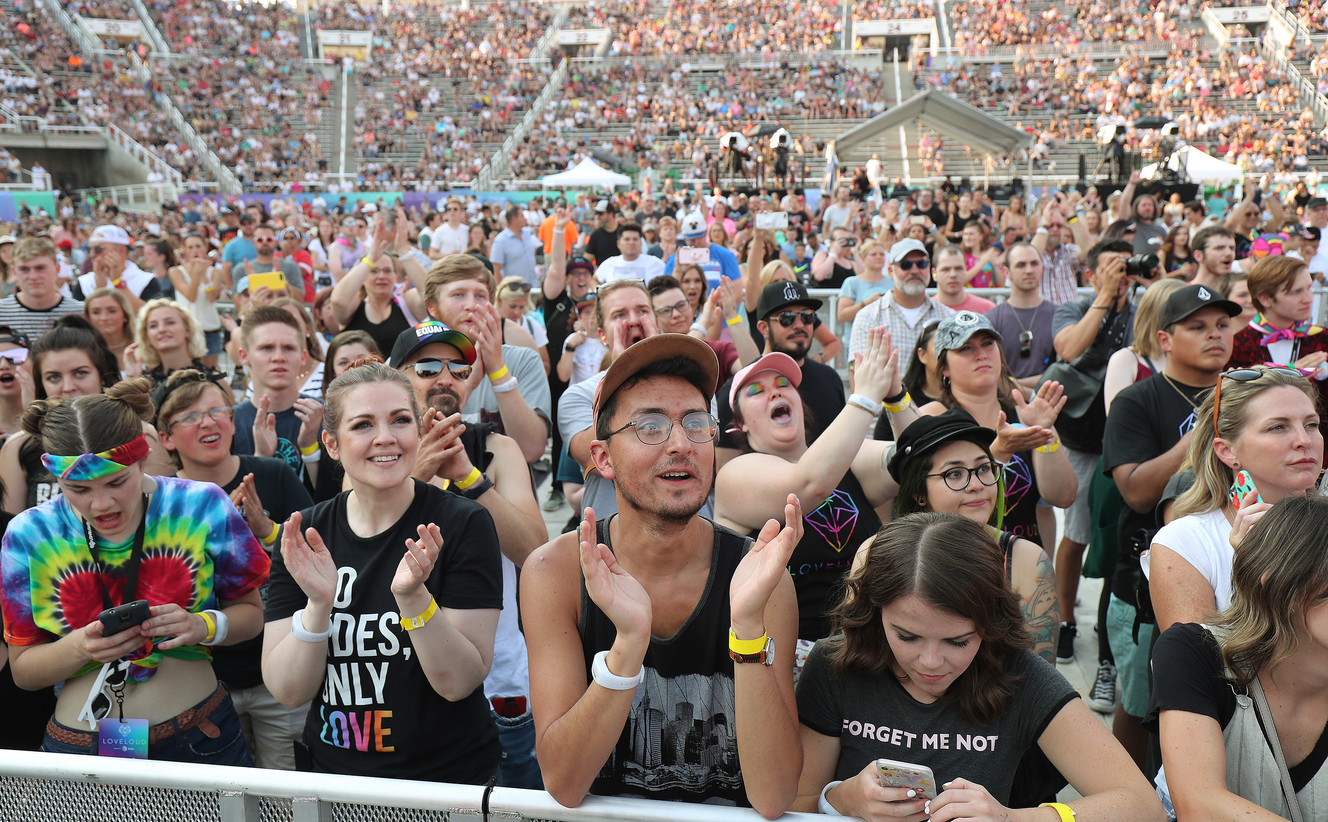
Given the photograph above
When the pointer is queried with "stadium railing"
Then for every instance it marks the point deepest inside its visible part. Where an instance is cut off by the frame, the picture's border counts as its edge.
(37, 787)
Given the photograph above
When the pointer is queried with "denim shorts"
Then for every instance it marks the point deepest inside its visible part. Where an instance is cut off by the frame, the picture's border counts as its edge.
(216, 342)
(194, 745)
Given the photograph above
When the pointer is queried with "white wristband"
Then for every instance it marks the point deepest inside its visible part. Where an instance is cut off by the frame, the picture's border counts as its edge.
(314, 457)
(223, 624)
(823, 804)
(865, 403)
(298, 630)
(503, 387)
(599, 671)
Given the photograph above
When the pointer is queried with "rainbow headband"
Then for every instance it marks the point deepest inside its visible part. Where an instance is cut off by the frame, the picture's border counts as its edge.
(86, 467)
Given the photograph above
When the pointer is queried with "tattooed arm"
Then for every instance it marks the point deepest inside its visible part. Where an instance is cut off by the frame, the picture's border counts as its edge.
(1035, 582)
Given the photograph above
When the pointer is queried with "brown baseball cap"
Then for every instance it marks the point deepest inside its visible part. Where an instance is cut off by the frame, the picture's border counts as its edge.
(652, 350)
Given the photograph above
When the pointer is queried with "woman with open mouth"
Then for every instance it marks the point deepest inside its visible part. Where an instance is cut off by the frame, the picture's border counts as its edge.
(839, 474)
(15, 380)
(119, 586)
(411, 565)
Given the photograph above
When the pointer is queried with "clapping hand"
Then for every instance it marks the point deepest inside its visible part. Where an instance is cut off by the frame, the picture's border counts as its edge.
(309, 562)
(613, 590)
(418, 561)
(761, 570)
(1045, 406)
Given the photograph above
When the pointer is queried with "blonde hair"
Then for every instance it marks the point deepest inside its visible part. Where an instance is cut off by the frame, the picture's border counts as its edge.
(868, 246)
(1146, 317)
(147, 352)
(1212, 477)
(30, 247)
(768, 272)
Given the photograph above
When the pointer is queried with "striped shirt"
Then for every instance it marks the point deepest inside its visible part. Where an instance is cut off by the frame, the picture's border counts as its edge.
(32, 322)
(1060, 274)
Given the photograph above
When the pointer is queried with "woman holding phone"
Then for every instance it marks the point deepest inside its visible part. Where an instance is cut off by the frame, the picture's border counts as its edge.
(933, 638)
(1256, 441)
(113, 536)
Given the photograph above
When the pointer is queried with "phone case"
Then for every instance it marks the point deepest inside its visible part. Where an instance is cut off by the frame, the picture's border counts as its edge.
(1242, 486)
(895, 774)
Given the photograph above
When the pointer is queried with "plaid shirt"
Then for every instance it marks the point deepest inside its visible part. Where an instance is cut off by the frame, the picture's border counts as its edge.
(885, 312)
(1060, 274)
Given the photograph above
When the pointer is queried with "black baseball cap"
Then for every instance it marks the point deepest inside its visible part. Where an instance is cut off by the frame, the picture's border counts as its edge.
(1185, 301)
(1309, 232)
(1316, 202)
(779, 295)
(926, 434)
(426, 333)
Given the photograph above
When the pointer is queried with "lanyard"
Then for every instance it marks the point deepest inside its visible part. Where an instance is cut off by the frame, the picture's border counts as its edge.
(135, 557)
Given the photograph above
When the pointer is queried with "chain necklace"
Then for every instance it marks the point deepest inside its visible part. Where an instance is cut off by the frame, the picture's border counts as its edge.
(1183, 395)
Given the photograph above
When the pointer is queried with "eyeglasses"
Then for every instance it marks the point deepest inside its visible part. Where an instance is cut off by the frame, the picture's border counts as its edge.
(1245, 375)
(680, 307)
(430, 368)
(957, 479)
(387, 269)
(788, 318)
(654, 429)
(349, 224)
(17, 356)
(920, 265)
(195, 418)
(1025, 344)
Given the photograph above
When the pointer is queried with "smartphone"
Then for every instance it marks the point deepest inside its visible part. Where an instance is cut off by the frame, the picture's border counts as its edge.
(772, 220)
(114, 620)
(1242, 486)
(273, 280)
(906, 775)
(917, 220)
(691, 256)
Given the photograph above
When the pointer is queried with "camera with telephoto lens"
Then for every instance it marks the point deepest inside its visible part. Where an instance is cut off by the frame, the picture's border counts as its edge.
(1141, 265)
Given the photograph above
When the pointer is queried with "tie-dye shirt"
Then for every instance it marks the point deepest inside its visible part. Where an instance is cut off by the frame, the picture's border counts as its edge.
(197, 550)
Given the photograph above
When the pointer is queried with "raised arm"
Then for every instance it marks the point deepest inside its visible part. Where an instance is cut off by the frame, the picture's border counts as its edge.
(555, 279)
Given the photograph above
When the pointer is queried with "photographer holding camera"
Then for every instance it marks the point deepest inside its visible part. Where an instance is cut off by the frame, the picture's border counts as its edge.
(838, 261)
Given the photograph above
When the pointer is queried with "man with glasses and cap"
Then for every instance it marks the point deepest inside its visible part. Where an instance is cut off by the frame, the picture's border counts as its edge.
(906, 308)
(490, 469)
(108, 249)
(613, 705)
(33, 309)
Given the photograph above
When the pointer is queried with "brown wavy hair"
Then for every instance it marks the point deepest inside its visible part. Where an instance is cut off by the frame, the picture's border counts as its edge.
(950, 563)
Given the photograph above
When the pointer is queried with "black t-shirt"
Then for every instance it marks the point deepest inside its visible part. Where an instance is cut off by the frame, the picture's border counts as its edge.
(936, 213)
(377, 714)
(822, 393)
(559, 317)
(1188, 676)
(602, 245)
(1146, 420)
(282, 494)
(384, 333)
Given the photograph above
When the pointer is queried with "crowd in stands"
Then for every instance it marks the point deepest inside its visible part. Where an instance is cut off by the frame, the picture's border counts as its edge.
(726, 27)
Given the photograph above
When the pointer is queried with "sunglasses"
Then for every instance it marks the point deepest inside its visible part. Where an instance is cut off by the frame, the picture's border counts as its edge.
(101, 705)
(788, 318)
(17, 356)
(1245, 375)
(430, 368)
(920, 265)
(1025, 344)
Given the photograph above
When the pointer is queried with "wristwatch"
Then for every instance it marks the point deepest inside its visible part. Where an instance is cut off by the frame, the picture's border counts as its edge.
(765, 656)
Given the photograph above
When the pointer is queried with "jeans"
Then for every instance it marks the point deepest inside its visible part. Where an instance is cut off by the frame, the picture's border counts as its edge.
(190, 746)
(517, 768)
(270, 728)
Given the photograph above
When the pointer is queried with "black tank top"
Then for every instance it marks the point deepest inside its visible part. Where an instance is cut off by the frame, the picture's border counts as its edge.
(41, 483)
(1021, 493)
(384, 333)
(831, 534)
(680, 742)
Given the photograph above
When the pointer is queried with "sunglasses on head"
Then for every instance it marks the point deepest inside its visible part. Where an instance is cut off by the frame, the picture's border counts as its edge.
(920, 265)
(1245, 375)
(788, 318)
(430, 368)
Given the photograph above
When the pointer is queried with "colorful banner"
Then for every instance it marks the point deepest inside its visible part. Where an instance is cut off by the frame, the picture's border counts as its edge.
(12, 201)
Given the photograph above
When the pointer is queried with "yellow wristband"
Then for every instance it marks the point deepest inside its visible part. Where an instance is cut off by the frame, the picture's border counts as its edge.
(1065, 812)
(309, 449)
(271, 537)
(499, 374)
(473, 477)
(746, 647)
(211, 626)
(1050, 448)
(903, 403)
(421, 620)
(733, 320)
(367, 262)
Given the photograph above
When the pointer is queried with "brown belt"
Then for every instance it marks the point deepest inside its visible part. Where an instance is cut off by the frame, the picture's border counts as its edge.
(186, 720)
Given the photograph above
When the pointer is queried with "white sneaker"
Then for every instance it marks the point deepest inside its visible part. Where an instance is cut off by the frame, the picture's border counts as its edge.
(1104, 696)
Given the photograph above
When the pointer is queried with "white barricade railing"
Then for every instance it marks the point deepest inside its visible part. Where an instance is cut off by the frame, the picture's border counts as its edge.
(68, 787)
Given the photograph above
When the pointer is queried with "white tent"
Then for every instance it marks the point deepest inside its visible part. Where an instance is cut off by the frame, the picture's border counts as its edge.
(586, 174)
(1199, 167)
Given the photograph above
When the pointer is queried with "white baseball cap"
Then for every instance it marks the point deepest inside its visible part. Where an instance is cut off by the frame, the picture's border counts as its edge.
(899, 249)
(110, 234)
(693, 226)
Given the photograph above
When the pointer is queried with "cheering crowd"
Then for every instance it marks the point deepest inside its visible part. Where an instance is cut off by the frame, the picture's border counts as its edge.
(755, 606)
